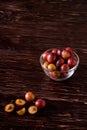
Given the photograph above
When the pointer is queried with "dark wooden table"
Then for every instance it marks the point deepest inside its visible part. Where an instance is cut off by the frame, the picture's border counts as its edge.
(27, 28)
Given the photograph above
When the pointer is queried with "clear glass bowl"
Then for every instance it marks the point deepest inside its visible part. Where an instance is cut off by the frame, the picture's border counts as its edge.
(59, 75)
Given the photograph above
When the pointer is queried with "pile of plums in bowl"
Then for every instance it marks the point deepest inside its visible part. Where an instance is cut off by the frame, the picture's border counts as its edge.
(59, 64)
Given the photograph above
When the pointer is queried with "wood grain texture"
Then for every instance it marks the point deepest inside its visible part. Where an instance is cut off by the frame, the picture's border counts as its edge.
(27, 28)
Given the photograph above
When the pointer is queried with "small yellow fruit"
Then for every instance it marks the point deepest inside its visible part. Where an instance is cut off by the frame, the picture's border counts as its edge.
(20, 102)
(21, 111)
(32, 109)
(51, 67)
(9, 107)
(45, 65)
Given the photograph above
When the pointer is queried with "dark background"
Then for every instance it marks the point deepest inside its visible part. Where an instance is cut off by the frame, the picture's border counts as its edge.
(27, 28)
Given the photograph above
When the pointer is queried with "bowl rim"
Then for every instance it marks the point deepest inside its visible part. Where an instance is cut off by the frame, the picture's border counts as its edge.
(73, 68)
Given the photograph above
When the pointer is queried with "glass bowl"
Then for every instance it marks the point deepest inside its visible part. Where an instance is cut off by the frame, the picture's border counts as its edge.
(58, 74)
